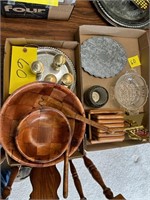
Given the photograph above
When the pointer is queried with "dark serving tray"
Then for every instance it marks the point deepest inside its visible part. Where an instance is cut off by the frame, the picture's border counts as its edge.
(123, 13)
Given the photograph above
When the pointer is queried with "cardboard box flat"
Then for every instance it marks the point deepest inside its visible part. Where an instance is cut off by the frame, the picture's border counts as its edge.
(135, 42)
(62, 12)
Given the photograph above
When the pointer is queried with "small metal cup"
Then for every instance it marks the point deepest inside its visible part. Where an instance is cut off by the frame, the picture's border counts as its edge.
(67, 79)
(50, 78)
(58, 61)
(37, 67)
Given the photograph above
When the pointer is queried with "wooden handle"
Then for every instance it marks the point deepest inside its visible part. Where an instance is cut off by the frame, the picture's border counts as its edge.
(65, 179)
(76, 180)
(97, 177)
(72, 114)
(90, 122)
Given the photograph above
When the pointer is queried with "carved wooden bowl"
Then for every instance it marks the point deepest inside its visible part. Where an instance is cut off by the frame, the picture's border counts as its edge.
(43, 135)
(29, 98)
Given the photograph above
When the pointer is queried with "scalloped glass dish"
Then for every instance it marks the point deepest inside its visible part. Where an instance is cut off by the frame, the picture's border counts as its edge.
(131, 91)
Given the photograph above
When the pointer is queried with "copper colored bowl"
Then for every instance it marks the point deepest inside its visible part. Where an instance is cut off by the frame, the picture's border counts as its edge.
(36, 96)
(43, 135)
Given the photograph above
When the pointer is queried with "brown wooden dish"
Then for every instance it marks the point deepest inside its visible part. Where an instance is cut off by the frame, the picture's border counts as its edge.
(29, 98)
(43, 135)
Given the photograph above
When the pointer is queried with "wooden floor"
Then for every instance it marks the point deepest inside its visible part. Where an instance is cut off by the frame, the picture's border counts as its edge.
(83, 13)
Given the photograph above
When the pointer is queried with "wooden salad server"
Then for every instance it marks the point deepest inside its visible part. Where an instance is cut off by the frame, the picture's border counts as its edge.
(45, 182)
(66, 163)
(65, 174)
(72, 114)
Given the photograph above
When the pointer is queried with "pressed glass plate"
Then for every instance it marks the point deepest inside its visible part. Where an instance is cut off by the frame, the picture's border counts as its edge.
(131, 91)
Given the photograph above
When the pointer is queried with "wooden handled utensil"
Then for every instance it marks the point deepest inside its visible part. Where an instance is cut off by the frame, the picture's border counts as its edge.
(89, 122)
(66, 163)
(65, 178)
(72, 114)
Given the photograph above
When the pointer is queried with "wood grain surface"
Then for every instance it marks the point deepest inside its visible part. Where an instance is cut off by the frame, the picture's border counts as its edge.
(43, 135)
(32, 97)
(84, 13)
(45, 183)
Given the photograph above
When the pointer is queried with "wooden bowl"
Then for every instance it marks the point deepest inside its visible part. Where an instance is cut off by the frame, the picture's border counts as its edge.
(32, 97)
(43, 135)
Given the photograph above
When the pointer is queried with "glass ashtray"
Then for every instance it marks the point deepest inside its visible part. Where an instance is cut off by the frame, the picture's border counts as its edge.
(131, 91)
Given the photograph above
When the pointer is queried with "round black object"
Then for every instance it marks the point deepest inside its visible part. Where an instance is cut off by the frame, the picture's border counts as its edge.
(96, 96)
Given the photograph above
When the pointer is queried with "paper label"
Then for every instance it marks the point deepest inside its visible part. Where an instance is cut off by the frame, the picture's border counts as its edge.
(21, 60)
(42, 2)
(134, 61)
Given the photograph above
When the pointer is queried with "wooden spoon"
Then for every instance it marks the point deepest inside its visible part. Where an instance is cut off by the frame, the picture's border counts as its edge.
(89, 122)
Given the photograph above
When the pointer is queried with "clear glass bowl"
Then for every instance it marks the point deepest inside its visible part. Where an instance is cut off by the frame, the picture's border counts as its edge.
(131, 91)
